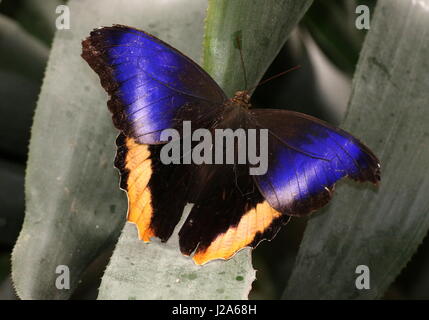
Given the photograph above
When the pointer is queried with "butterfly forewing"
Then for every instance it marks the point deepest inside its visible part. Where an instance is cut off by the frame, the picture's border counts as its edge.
(152, 86)
(307, 157)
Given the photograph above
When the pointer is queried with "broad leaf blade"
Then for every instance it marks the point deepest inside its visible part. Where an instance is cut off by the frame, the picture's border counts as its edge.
(22, 63)
(21, 53)
(38, 18)
(159, 271)
(74, 207)
(11, 201)
(261, 27)
(380, 228)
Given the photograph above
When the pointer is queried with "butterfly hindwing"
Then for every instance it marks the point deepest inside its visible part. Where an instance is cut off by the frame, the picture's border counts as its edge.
(229, 212)
(306, 157)
(157, 193)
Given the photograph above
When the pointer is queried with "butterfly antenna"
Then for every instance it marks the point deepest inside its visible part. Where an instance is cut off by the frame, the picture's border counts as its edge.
(238, 40)
(275, 76)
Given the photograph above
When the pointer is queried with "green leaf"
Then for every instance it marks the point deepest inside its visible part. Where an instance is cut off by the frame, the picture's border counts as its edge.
(35, 16)
(19, 96)
(20, 52)
(377, 227)
(22, 63)
(261, 27)
(157, 270)
(332, 25)
(11, 201)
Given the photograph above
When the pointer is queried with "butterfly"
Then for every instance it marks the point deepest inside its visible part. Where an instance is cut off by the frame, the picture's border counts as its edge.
(153, 87)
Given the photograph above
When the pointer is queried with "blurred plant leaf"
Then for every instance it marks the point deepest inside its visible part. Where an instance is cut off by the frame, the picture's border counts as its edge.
(22, 62)
(413, 282)
(11, 201)
(380, 228)
(35, 16)
(318, 88)
(159, 271)
(261, 28)
(20, 52)
(6, 289)
(19, 96)
(332, 25)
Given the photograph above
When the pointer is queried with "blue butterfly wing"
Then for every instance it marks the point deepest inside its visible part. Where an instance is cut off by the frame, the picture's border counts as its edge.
(306, 157)
(152, 86)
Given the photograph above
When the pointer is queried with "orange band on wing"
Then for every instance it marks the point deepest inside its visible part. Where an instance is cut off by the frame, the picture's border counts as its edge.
(138, 165)
(227, 244)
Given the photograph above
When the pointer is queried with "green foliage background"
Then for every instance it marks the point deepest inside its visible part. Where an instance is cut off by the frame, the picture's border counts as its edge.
(74, 211)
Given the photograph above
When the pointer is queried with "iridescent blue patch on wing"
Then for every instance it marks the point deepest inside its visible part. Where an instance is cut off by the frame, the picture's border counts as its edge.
(307, 157)
(150, 83)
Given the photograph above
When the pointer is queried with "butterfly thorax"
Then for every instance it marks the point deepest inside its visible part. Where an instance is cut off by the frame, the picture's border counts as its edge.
(241, 99)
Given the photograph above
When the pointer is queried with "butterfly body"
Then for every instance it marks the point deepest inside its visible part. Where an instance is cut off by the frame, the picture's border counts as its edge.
(153, 87)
